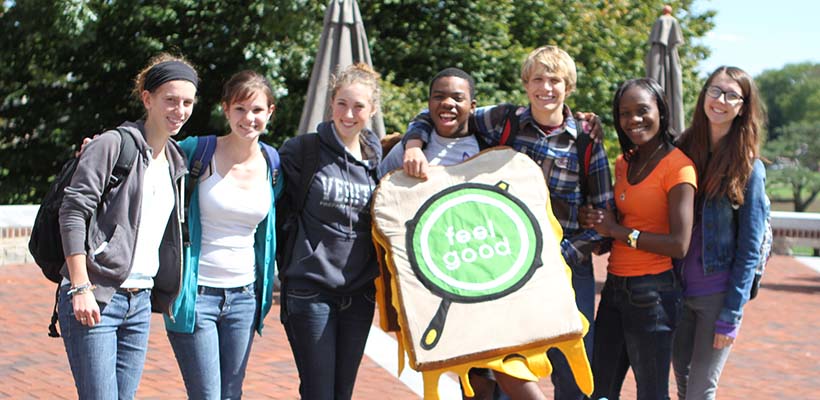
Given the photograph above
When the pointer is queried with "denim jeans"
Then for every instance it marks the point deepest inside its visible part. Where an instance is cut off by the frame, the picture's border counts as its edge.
(107, 360)
(696, 362)
(213, 358)
(327, 334)
(583, 282)
(636, 319)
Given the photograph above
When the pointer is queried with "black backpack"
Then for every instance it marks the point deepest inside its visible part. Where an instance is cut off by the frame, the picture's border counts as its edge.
(289, 210)
(45, 244)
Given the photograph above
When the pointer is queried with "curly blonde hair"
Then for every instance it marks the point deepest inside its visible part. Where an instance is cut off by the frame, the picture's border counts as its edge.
(357, 73)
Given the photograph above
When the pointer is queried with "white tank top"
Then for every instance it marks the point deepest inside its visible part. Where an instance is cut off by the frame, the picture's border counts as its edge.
(229, 216)
(157, 204)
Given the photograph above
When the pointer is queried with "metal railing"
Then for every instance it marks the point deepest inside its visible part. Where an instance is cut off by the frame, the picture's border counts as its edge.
(790, 229)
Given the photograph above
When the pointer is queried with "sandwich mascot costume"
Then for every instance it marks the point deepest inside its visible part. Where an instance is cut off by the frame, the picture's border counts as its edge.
(472, 274)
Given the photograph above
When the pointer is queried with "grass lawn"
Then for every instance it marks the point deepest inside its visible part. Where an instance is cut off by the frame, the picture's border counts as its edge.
(783, 193)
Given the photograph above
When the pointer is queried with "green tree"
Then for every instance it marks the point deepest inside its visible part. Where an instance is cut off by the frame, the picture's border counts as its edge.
(796, 161)
(490, 39)
(791, 94)
(471, 35)
(68, 68)
(67, 65)
(609, 40)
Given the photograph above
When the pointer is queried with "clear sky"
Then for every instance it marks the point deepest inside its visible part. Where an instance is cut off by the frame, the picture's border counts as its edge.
(757, 35)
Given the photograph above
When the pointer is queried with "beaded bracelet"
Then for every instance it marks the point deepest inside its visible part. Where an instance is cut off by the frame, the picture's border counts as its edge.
(82, 289)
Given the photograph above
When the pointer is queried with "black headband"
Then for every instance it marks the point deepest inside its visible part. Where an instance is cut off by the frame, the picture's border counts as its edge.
(169, 71)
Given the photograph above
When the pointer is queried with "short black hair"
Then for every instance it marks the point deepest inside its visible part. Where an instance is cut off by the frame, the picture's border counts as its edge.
(654, 89)
(458, 73)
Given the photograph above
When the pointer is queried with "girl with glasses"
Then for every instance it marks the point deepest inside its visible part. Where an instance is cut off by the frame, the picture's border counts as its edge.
(730, 217)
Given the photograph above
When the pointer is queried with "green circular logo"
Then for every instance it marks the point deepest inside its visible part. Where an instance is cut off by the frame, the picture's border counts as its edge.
(474, 242)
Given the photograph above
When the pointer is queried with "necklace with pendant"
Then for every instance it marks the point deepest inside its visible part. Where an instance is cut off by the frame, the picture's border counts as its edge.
(643, 167)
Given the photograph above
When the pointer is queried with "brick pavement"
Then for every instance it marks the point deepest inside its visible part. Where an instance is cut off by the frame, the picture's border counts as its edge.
(775, 356)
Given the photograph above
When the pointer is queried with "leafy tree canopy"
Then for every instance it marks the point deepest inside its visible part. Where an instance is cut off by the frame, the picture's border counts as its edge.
(791, 94)
(68, 65)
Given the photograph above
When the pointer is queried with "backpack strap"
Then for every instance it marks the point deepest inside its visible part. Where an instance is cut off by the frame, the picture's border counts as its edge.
(52, 326)
(272, 157)
(203, 154)
(510, 125)
(125, 160)
(583, 144)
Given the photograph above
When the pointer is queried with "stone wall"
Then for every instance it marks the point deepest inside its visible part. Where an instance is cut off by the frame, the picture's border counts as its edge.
(14, 246)
(15, 228)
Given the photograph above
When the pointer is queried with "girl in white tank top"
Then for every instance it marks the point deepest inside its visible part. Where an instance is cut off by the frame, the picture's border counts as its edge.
(229, 269)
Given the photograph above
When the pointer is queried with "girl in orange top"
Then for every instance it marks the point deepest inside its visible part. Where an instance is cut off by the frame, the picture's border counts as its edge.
(654, 193)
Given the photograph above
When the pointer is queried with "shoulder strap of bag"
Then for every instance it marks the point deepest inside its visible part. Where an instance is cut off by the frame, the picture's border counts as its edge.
(125, 160)
(272, 157)
(583, 145)
(510, 125)
(203, 154)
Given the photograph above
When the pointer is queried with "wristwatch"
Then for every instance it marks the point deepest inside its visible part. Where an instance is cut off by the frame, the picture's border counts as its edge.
(632, 238)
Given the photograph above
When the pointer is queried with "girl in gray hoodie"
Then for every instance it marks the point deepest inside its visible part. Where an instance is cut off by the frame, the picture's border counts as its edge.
(123, 247)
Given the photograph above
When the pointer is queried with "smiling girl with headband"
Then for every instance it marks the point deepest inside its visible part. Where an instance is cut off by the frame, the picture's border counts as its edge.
(127, 260)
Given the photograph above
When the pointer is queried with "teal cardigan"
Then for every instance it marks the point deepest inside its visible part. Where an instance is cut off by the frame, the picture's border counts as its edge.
(183, 317)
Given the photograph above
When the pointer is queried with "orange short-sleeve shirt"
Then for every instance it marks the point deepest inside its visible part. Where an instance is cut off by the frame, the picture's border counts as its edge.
(645, 207)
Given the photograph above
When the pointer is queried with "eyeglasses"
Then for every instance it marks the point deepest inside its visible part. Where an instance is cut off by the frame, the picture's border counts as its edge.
(731, 97)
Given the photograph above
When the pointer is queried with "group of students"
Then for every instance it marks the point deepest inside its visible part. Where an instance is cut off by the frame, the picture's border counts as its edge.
(127, 255)
(216, 289)
(683, 222)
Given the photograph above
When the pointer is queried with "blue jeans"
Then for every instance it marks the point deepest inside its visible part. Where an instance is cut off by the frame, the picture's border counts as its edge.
(636, 319)
(213, 358)
(107, 360)
(583, 282)
(327, 334)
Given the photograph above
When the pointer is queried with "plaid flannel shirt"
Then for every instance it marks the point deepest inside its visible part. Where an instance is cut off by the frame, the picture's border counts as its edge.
(556, 153)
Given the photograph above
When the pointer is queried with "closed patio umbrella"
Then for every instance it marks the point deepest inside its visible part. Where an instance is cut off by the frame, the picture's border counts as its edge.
(663, 64)
(343, 43)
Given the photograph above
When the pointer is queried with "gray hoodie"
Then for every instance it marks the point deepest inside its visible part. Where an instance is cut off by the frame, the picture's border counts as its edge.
(333, 250)
(118, 217)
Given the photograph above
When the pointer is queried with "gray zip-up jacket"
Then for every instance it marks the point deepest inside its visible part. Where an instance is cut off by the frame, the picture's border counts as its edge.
(109, 239)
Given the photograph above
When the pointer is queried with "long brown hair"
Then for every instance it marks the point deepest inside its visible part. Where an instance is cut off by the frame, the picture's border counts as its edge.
(725, 170)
